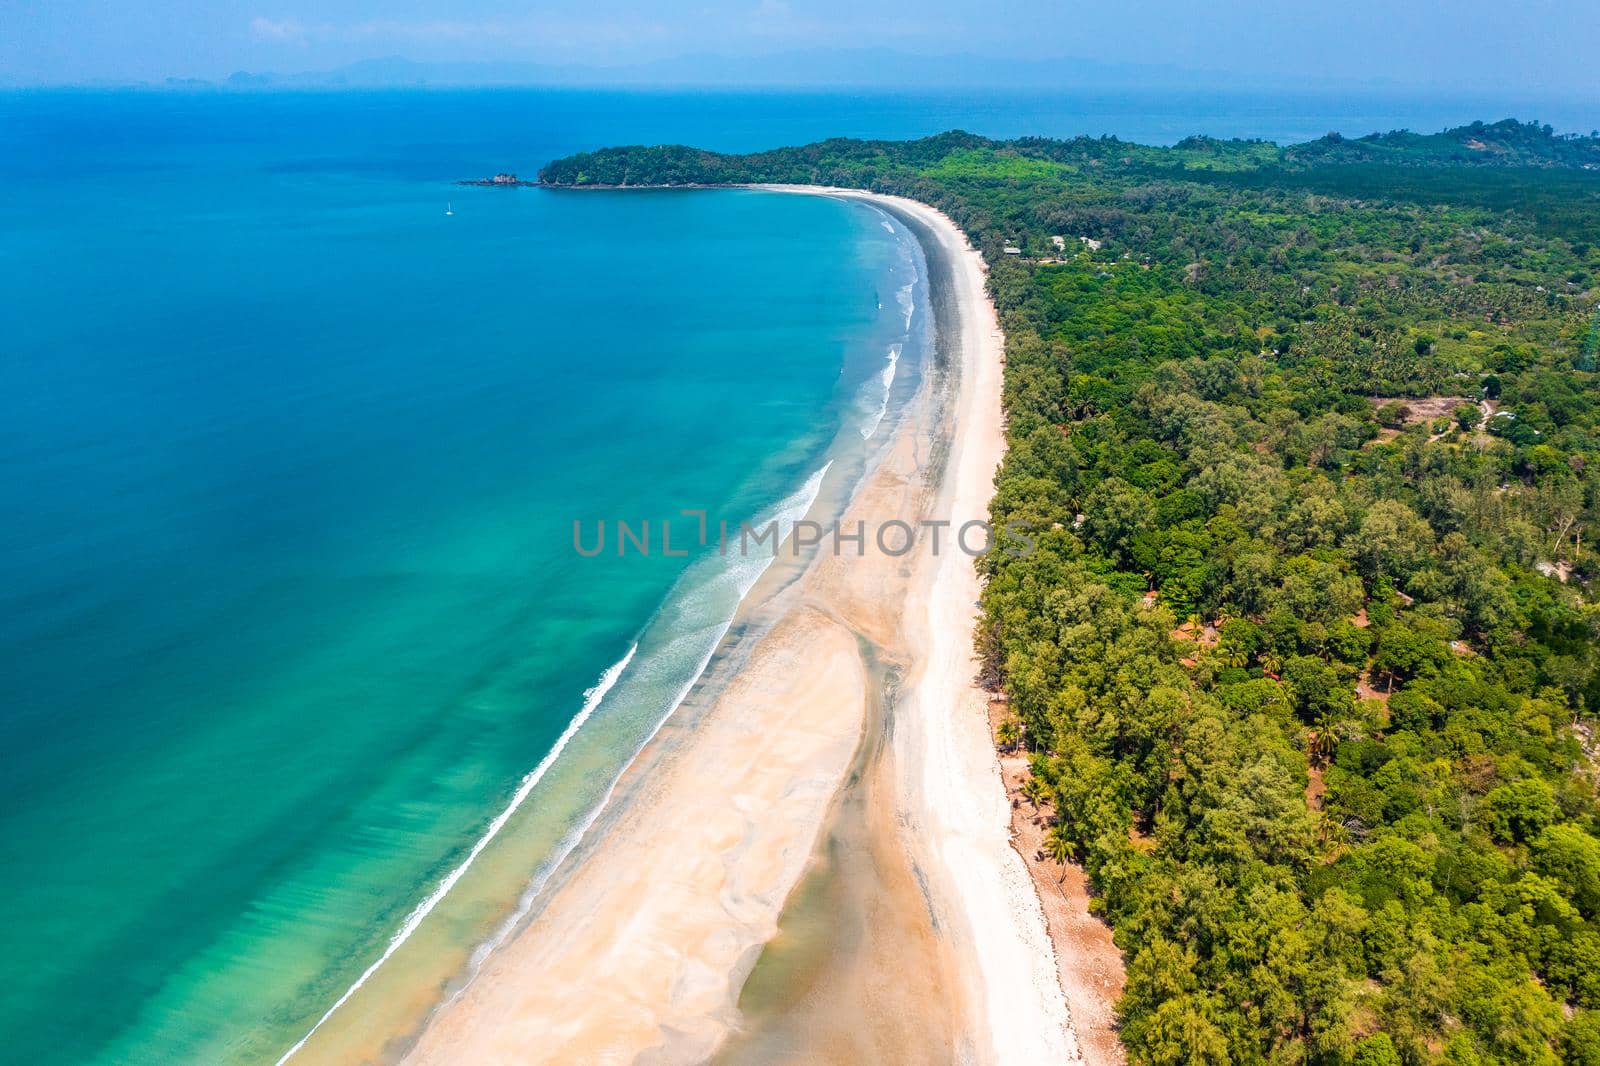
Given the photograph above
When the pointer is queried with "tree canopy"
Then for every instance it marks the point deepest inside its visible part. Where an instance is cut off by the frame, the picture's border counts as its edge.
(1334, 404)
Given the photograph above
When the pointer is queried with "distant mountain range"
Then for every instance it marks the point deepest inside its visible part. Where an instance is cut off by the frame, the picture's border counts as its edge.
(864, 67)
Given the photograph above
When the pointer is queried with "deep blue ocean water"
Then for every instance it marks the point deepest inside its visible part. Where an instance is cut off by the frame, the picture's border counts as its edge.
(289, 460)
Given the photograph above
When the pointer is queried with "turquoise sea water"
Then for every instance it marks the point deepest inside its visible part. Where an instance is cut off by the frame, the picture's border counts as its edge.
(289, 461)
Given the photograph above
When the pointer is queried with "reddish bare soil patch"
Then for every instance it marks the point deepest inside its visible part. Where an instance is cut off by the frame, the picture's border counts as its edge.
(1315, 789)
(1206, 636)
(1201, 637)
(1423, 408)
(1365, 690)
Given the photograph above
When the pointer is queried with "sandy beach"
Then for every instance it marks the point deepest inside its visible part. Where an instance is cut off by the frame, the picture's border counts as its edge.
(949, 773)
(640, 953)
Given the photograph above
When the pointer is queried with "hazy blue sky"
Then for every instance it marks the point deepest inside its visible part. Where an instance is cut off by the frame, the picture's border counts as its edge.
(1516, 46)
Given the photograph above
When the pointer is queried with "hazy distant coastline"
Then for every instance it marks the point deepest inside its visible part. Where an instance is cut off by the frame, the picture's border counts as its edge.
(824, 70)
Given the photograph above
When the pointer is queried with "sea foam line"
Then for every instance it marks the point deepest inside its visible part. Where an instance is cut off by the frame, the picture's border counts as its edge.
(908, 304)
(887, 377)
(904, 294)
(591, 700)
(786, 513)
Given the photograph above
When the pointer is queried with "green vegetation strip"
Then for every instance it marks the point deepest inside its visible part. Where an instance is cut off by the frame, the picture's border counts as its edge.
(1333, 782)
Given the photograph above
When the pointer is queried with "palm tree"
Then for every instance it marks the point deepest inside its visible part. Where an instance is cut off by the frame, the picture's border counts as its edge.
(1059, 847)
(1271, 665)
(1034, 790)
(1325, 826)
(1322, 741)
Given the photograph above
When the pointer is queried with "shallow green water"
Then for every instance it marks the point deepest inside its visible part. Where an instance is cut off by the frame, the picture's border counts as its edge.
(291, 461)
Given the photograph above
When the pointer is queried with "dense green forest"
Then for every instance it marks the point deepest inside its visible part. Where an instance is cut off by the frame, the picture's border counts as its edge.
(1306, 658)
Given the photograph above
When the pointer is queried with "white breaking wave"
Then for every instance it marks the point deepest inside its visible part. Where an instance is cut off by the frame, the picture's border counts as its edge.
(907, 305)
(786, 513)
(877, 420)
(743, 578)
(888, 371)
(591, 700)
(903, 296)
(887, 377)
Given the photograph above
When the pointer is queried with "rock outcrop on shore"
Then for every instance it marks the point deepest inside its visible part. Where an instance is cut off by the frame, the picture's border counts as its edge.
(500, 181)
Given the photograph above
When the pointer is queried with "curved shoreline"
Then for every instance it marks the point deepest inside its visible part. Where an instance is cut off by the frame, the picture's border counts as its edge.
(642, 951)
(946, 763)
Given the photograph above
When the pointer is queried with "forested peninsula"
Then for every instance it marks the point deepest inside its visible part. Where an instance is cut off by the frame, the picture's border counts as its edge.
(1305, 659)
